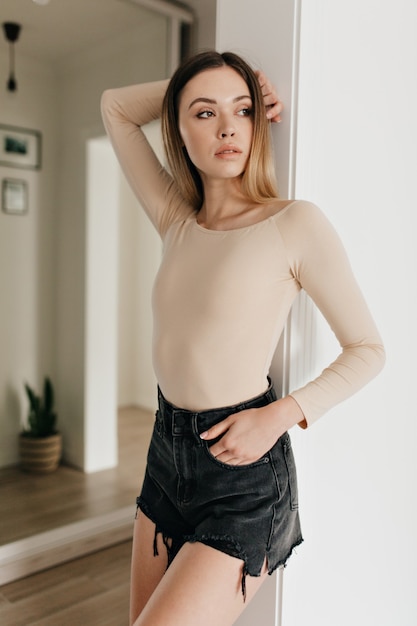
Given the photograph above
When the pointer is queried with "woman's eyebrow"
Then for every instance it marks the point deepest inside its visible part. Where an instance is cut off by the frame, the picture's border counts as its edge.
(211, 101)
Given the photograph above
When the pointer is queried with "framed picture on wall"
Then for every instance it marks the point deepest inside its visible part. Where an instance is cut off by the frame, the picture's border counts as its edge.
(20, 147)
(14, 195)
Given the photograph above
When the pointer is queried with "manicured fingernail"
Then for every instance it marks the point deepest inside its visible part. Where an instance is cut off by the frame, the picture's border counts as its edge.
(203, 435)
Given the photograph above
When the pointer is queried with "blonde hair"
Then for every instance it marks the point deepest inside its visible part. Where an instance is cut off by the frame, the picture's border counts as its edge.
(258, 180)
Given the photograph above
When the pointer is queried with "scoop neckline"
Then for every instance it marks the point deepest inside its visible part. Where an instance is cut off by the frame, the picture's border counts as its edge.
(240, 228)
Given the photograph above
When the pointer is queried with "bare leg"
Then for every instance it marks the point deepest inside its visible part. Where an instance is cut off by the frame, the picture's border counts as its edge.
(202, 586)
(147, 569)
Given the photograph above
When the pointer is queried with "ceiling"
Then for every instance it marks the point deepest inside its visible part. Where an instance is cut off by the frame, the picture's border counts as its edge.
(52, 32)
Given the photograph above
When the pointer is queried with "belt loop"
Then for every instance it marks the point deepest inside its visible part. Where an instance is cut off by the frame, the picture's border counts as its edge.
(181, 422)
(194, 426)
(165, 412)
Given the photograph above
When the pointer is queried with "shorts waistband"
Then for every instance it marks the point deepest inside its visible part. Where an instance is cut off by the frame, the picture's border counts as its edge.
(184, 421)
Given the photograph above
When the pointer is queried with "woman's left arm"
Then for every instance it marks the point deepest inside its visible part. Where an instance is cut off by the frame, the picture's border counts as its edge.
(320, 264)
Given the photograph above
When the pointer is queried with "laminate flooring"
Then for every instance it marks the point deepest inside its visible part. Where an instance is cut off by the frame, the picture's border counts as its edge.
(90, 591)
(93, 589)
(32, 503)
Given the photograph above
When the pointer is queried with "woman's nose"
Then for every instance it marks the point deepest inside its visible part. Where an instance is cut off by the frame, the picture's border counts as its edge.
(226, 129)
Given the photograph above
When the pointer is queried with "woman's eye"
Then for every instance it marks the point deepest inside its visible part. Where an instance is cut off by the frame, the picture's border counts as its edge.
(205, 114)
(245, 112)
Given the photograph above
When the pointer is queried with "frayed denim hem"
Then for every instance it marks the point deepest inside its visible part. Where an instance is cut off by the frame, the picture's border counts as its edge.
(225, 543)
(172, 544)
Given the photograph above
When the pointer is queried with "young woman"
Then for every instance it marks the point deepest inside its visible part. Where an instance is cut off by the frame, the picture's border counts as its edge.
(219, 499)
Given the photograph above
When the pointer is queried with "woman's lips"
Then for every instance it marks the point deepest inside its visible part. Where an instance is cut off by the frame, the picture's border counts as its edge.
(227, 151)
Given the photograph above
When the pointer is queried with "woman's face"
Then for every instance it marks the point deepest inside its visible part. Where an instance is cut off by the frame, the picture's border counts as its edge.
(215, 122)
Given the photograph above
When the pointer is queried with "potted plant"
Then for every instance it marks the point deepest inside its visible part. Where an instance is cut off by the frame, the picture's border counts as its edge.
(40, 443)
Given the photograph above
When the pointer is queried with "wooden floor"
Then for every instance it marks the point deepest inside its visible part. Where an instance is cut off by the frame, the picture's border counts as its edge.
(32, 503)
(90, 591)
(93, 589)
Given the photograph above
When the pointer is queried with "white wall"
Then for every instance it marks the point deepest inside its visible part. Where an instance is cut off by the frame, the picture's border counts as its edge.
(128, 365)
(357, 137)
(27, 253)
(205, 25)
(139, 258)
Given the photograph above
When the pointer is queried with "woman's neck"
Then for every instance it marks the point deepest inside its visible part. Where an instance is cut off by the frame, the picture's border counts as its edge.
(225, 207)
(223, 204)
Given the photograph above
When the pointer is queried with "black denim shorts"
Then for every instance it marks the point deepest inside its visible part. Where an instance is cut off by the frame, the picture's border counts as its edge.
(247, 511)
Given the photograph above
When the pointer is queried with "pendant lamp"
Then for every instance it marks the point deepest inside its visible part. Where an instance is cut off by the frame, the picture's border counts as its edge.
(11, 32)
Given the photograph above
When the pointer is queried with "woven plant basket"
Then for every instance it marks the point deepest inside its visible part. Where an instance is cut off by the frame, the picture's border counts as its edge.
(40, 454)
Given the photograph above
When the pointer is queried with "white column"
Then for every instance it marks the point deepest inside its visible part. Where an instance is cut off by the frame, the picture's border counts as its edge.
(100, 403)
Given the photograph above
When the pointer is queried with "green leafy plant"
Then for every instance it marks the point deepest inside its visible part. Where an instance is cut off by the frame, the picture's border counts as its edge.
(41, 417)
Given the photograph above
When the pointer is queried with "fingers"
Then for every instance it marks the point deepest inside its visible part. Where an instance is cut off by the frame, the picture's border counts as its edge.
(216, 430)
(219, 450)
(225, 449)
(273, 104)
(223, 454)
(274, 112)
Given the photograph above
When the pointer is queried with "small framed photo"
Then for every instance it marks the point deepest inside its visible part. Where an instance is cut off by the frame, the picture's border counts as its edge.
(20, 147)
(14, 196)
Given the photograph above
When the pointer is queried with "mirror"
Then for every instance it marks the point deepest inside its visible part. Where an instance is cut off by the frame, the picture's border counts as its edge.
(66, 55)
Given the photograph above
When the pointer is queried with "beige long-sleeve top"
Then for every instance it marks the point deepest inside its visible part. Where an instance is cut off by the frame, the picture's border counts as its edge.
(221, 298)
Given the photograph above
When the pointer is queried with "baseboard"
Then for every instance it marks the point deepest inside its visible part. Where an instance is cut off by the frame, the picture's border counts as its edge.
(33, 554)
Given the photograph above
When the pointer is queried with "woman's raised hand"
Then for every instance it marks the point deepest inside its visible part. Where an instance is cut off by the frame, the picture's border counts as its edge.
(274, 106)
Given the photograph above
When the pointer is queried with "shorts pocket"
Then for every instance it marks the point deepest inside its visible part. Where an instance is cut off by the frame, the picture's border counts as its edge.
(262, 461)
(291, 470)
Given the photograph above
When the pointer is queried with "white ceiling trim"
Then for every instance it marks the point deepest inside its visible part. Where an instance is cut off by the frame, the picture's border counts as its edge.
(168, 9)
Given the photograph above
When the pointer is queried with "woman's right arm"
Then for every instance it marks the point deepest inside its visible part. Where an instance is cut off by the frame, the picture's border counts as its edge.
(125, 111)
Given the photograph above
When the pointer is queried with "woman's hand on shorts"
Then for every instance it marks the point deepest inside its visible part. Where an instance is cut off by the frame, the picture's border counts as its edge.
(273, 104)
(247, 436)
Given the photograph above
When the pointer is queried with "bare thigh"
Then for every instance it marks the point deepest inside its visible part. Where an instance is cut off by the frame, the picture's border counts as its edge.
(146, 569)
(202, 586)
